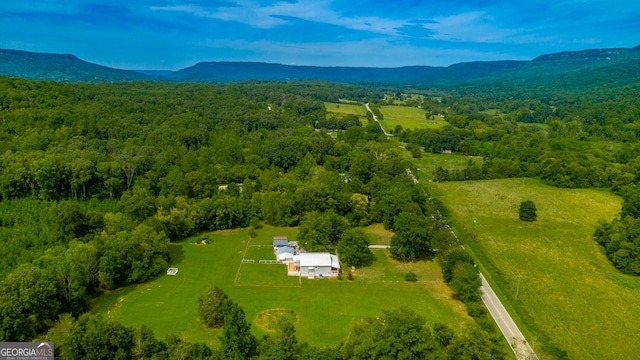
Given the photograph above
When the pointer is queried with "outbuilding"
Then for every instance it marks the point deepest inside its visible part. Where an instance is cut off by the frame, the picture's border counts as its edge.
(285, 253)
(278, 242)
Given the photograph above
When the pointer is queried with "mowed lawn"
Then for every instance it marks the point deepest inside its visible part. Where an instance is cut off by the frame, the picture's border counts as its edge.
(408, 117)
(325, 308)
(568, 288)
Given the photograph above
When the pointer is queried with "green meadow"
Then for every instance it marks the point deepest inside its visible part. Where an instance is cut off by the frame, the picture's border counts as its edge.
(409, 118)
(324, 309)
(429, 161)
(568, 291)
(354, 109)
(348, 109)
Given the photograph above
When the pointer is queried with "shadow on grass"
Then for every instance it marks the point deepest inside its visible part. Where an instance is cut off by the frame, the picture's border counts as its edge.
(106, 300)
(176, 253)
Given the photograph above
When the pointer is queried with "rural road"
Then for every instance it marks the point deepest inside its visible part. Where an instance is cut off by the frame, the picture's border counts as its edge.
(509, 329)
(375, 118)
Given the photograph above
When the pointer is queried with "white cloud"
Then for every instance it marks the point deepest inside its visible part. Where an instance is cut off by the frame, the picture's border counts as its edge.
(251, 13)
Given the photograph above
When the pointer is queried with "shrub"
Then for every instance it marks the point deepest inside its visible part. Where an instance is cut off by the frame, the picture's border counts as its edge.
(528, 211)
(411, 277)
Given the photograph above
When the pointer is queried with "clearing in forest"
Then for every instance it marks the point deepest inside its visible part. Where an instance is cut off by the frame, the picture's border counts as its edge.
(568, 289)
(324, 309)
(429, 161)
(339, 109)
(409, 118)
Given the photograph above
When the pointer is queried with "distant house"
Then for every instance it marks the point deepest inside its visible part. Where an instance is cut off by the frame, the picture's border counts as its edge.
(313, 265)
(279, 241)
(285, 253)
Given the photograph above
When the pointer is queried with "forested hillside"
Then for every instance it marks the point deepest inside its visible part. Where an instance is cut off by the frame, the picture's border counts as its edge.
(575, 71)
(97, 179)
(59, 67)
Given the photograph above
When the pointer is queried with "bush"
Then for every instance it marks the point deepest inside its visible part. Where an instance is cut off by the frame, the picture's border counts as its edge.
(475, 309)
(528, 211)
(349, 275)
(411, 277)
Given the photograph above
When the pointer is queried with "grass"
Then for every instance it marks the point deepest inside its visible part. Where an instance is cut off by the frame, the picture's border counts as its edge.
(493, 112)
(408, 118)
(429, 161)
(378, 235)
(569, 291)
(325, 308)
(354, 109)
(348, 109)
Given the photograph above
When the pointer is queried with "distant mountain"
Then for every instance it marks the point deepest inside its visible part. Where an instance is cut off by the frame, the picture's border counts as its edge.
(241, 71)
(155, 72)
(573, 70)
(58, 67)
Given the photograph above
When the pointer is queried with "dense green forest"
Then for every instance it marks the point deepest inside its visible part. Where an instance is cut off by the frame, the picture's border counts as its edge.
(96, 180)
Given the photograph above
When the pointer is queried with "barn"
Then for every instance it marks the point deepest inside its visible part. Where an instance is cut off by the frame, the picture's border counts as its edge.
(317, 265)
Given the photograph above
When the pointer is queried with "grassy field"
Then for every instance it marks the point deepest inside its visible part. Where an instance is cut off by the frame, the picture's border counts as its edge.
(355, 109)
(324, 308)
(493, 112)
(568, 289)
(348, 109)
(430, 161)
(408, 118)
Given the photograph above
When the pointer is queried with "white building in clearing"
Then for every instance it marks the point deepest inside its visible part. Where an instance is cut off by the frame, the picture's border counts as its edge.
(314, 265)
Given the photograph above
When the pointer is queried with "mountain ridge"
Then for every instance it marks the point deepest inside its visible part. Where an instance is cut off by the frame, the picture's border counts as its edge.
(595, 64)
(60, 67)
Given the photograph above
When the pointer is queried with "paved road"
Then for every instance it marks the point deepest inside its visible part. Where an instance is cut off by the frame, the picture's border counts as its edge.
(375, 118)
(519, 344)
(509, 329)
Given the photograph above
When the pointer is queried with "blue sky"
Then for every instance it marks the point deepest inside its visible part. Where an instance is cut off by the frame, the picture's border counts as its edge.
(172, 34)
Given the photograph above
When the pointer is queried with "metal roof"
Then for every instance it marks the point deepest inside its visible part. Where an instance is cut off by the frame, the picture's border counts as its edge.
(285, 249)
(319, 259)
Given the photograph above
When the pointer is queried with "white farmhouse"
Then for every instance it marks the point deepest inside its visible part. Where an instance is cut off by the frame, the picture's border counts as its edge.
(316, 265)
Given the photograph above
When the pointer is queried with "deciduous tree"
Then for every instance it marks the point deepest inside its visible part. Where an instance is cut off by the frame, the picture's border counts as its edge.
(353, 249)
(212, 307)
(527, 211)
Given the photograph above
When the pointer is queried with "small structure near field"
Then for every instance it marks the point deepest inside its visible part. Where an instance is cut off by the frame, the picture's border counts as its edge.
(285, 253)
(278, 242)
(172, 271)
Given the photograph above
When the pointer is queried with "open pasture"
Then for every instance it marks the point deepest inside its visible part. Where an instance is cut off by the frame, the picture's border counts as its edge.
(409, 118)
(429, 161)
(339, 110)
(354, 109)
(324, 308)
(568, 290)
